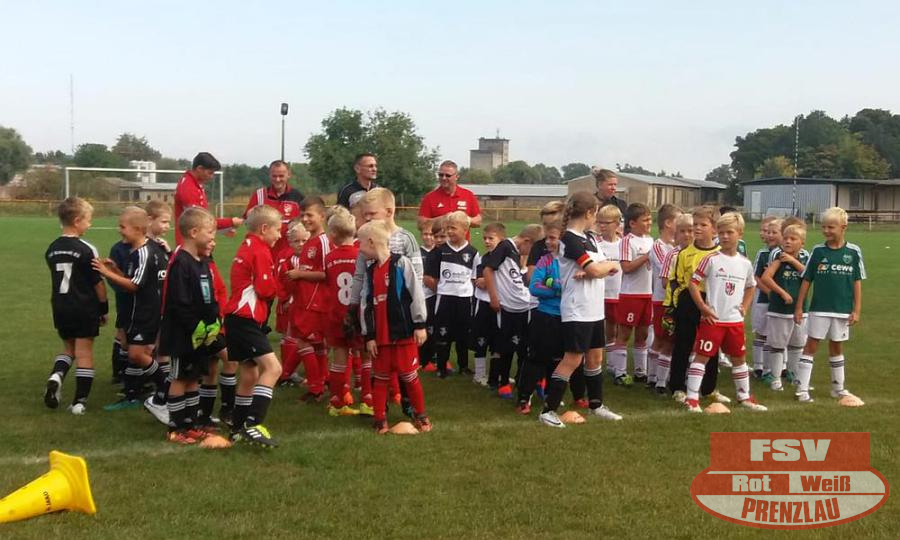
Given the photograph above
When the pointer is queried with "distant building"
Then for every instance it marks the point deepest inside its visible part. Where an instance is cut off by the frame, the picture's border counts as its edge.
(491, 153)
(655, 191)
(861, 196)
(515, 201)
(145, 177)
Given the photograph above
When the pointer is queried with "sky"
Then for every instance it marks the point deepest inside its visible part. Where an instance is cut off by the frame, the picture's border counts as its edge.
(666, 85)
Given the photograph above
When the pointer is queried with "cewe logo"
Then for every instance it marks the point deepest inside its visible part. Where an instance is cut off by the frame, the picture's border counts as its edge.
(789, 480)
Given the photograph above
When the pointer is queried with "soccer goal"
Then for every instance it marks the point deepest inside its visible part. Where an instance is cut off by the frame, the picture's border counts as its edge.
(144, 186)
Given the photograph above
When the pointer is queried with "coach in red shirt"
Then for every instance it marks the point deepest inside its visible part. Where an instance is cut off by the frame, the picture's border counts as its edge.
(449, 197)
(190, 192)
(280, 196)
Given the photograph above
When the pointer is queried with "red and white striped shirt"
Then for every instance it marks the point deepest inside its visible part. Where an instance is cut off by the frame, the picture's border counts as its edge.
(253, 283)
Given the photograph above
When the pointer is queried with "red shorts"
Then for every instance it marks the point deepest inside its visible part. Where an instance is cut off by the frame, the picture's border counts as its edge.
(339, 341)
(634, 311)
(609, 308)
(727, 336)
(658, 312)
(397, 358)
(308, 326)
(282, 316)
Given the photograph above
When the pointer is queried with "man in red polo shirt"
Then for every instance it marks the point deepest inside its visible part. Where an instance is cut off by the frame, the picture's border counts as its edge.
(280, 196)
(449, 197)
(190, 193)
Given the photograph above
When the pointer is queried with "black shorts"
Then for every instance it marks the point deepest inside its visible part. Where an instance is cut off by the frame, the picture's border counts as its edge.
(545, 336)
(452, 317)
(190, 367)
(76, 325)
(246, 340)
(580, 337)
(124, 304)
(429, 313)
(484, 325)
(512, 334)
(142, 334)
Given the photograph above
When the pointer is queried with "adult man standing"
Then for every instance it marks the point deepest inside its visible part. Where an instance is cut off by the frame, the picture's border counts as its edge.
(190, 193)
(366, 168)
(607, 182)
(449, 197)
(280, 196)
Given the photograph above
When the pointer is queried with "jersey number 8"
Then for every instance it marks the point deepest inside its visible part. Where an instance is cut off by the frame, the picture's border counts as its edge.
(344, 283)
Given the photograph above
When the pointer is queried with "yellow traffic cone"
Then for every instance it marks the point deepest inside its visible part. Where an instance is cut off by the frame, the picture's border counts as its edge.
(65, 487)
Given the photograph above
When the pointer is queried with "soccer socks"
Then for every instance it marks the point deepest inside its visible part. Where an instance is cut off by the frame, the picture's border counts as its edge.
(191, 407)
(288, 356)
(618, 358)
(804, 372)
(695, 373)
(640, 361)
(365, 382)
(159, 379)
(414, 391)
(652, 362)
(837, 373)
(776, 362)
(505, 368)
(166, 369)
(322, 364)
(227, 387)
(663, 364)
(793, 357)
(380, 389)
(554, 392)
(480, 368)
(207, 401)
(61, 365)
(116, 360)
(241, 410)
(576, 382)
(337, 382)
(134, 375)
(315, 381)
(767, 362)
(259, 405)
(593, 380)
(84, 378)
(176, 406)
(740, 375)
(758, 361)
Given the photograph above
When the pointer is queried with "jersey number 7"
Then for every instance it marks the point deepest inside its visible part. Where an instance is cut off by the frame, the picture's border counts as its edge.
(66, 269)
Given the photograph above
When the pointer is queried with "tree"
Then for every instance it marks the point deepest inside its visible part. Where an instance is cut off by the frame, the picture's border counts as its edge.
(734, 193)
(881, 130)
(516, 172)
(41, 183)
(53, 157)
(548, 174)
(474, 176)
(755, 147)
(574, 170)
(634, 169)
(405, 164)
(15, 155)
(97, 155)
(774, 167)
(131, 147)
(173, 164)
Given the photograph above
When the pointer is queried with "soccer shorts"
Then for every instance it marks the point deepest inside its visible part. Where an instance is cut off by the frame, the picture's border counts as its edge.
(634, 311)
(282, 316)
(513, 331)
(782, 332)
(759, 315)
(194, 365)
(76, 325)
(728, 337)
(820, 326)
(484, 325)
(545, 336)
(396, 358)
(580, 337)
(609, 309)
(308, 326)
(124, 303)
(341, 341)
(142, 334)
(451, 318)
(658, 312)
(246, 340)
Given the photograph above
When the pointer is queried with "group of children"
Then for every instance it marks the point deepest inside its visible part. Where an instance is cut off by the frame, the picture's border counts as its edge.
(353, 293)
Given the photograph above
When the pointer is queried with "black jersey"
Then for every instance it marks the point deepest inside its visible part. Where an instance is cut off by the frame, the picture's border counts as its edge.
(147, 269)
(506, 263)
(188, 298)
(538, 250)
(74, 279)
(454, 269)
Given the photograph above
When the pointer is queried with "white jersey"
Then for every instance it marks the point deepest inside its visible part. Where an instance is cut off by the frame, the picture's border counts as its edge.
(638, 282)
(506, 263)
(582, 299)
(657, 261)
(481, 294)
(612, 283)
(726, 277)
(454, 269)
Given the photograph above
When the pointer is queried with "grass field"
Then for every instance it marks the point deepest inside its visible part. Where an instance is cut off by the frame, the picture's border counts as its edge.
(484, 472)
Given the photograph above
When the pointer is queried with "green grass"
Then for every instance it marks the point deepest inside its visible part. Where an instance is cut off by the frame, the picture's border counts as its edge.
(484, 472)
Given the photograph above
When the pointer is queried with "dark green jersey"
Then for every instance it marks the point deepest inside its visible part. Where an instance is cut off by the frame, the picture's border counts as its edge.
(832, 273)
(759, 266)
(788, 278)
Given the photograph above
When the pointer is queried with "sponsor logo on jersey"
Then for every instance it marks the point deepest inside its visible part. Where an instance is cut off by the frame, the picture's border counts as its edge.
(461, 205)
(848, 258)
(729, 288)
(311, 253)
(446, 274)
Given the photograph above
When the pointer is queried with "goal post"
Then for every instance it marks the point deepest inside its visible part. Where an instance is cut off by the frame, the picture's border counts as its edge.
(220, 174)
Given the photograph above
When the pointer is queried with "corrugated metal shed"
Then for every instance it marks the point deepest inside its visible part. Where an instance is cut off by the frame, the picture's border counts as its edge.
(663, 181)
(778, 199)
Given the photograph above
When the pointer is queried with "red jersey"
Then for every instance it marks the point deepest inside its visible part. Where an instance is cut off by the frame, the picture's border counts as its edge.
(340, 264)
(379, 300)
(253, 283)
(312, 294)
(287, 204)
(188, 194)
(285, 261)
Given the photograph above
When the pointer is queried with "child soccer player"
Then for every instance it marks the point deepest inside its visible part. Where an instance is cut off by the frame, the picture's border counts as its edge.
(729, 281)
(286, 260)
(511, 300)
(426, 227)
(393, 322)
(340, 263)
(143, 277)
(450, 273)
(686, 315)
(78, 300)
(666, 217)
(835, 271)
(770, 233)
(684, 237)
(782, 277)
(439, 238)
(309, 307)
(635, 309)
(160, 214)
(253, 287)
(609, 218)
(118, 254)
(189, 329)
(484, 319)
(551, 213)
(582, 269)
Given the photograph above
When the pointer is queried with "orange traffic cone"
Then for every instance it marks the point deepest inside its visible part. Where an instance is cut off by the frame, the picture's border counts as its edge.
(65, 487)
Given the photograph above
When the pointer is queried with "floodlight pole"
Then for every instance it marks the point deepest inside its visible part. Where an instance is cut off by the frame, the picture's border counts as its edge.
(284, 111)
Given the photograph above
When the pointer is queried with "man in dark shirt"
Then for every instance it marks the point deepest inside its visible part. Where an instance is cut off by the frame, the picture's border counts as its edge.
(366, 168)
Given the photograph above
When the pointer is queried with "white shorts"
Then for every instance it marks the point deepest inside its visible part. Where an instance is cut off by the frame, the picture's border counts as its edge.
(827, 327)
(782, 332)
(758, 315)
